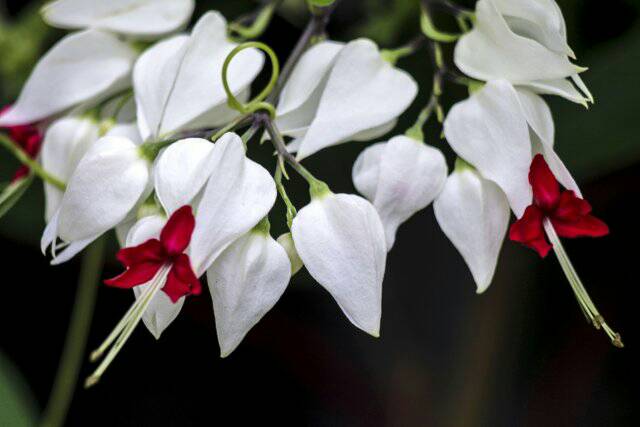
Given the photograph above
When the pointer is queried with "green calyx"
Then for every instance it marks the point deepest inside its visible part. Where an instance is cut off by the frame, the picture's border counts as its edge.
(263, 227)
(150, 150)
(318, 189)
(461, 165)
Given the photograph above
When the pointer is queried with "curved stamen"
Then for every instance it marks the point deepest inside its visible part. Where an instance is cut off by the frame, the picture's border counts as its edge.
(126, 326)
(586, 304)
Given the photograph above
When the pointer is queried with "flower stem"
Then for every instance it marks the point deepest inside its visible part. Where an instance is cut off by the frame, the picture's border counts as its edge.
(35, 167)
(586, 304)
(72, 355)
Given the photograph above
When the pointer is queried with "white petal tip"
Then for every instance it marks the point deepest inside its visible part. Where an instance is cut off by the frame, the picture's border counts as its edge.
(375, 334)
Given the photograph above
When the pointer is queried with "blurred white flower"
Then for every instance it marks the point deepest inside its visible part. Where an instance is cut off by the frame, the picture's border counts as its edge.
(82, 67)
(524, 42)
(145, 19)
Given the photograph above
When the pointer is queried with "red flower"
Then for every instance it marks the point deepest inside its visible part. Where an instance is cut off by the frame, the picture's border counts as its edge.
(569, 214)
(28, 137)
(145, 260)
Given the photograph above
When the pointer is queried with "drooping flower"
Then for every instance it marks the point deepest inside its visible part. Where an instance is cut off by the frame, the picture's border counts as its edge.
(341, 241)
(29, 139)
(524, 42)
(245, 282)
(569, 215)
(134, 18)
(229, 193)
(498, 130)
(338, 93)
(171, 77)
(400, 177)
(474, 214)
(111, 178)
(82, 67)
(65, 143)
(144, 261)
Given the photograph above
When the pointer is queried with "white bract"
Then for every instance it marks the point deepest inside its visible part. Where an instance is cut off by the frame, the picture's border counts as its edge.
(498, 130)
(338, 93)
(82, 67)
(524, 42)
(474, 214)
(65, 143)
(108, 182)
(178, 81)
(341, 241)
(245, 282)
(235, 194)
(135, 18)
(400, 177)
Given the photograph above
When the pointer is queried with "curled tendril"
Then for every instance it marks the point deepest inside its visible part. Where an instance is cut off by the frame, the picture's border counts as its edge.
(258, 102)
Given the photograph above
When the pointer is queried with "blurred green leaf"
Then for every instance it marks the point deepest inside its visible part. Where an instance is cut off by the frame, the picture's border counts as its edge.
(17, 405)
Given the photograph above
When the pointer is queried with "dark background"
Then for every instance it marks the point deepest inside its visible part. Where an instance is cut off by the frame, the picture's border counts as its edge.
(521, 354)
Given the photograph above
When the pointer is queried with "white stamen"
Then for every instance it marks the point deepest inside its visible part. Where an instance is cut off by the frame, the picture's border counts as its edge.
(126, 326)
(586, 304)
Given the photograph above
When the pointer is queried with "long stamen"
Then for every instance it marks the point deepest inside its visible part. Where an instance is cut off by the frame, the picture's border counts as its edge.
(126, 326)
(586, 304)
(95, 355)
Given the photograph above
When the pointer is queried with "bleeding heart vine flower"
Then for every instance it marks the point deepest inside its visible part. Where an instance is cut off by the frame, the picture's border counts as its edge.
(245, 282)
(555, 214)
(341, 241)
(498, 130)
(400, 177)
(82, 67)
(146, 19)
(568, 214)
(338, 93)
(524, 42)
(474, 214)
(171, 77)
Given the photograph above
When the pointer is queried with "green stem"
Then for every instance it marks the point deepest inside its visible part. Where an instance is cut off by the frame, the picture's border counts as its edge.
(25, 159)
(291, 209)
(228, 128)
(75, 343)
(259, 24)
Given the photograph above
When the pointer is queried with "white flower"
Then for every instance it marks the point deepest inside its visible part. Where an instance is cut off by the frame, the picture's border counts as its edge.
(341, 241)
(108, 182)
(498, 130)
(65, 143)
(400, 177)
(524, 42)
(235, 194)
(178, 81)
(82, 67)
(135, 18)
(340, 93)
(245, 282)
(474, 214)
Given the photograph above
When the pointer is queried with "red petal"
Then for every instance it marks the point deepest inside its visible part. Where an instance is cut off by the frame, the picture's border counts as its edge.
(176, 234)
(546, 190)
(570, 207)
(529, 231)
(149, 251)
(20, 173)
(181, 280)
(137, 275)
(587, 225)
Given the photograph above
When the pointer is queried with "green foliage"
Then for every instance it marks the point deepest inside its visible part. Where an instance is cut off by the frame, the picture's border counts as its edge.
(17, 405)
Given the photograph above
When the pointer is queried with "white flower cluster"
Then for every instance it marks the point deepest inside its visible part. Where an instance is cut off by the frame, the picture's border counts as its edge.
(120, 94)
